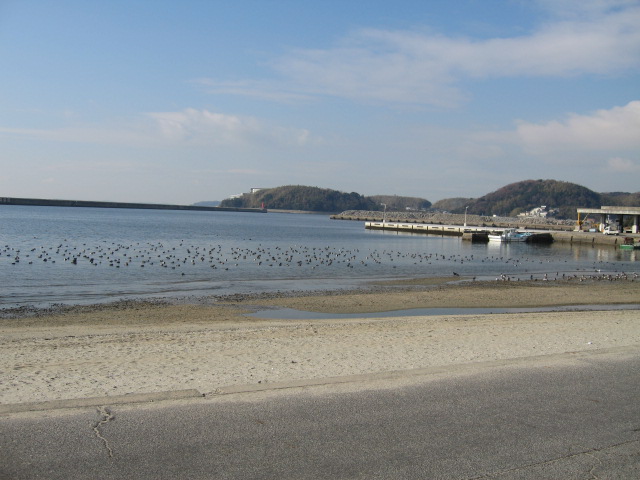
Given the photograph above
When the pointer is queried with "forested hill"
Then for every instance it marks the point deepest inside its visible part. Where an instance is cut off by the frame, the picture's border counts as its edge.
(297, 197)
(621, 198)
(399, 203)
(519, 197)
(509, 200)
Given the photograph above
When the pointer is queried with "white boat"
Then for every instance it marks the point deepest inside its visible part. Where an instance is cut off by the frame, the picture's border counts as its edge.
(510, 235)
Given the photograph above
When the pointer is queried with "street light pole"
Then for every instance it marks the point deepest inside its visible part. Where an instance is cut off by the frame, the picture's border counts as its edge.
(465, 216)
(384, 213)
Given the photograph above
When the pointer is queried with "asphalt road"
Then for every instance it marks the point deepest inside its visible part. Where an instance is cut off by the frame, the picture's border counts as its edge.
(561, 417)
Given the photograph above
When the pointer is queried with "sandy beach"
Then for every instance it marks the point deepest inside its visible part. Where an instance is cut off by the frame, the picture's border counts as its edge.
(151, 347)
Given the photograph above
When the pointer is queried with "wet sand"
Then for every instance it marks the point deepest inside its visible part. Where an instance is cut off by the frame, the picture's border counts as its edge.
(150, 347)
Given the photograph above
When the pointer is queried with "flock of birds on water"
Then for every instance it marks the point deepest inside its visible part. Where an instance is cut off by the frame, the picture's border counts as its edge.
(182, 256)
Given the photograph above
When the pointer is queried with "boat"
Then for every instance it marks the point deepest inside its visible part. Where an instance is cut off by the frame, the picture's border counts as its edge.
(510, 235)
(629, 244)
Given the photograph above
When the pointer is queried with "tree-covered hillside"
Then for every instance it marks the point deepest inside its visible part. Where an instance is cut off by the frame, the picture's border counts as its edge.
(298, 197)
(509, 200)
(519, 197)
(399, 203)
(453, 204)
(621, 199)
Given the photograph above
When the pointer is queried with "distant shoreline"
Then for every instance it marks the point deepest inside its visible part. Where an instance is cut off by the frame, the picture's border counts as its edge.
(42, 202)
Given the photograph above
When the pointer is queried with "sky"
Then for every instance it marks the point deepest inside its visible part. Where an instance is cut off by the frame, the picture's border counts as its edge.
(179, 102)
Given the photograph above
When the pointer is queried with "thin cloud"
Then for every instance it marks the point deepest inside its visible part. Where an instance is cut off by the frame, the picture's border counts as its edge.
(623, 165)
(581, 9)
(581, 37)
(613, 129)
(186, 127)
(245, 171)
(260, 89)
(90, 165)
(209, 128)
(104, 135)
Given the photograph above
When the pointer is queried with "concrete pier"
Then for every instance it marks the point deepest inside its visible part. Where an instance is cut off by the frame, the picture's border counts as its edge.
(455, 220)
(479, 234)
(450, 230)
(591, 238)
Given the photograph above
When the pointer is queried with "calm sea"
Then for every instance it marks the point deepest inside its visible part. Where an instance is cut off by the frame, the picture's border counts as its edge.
(51, 255)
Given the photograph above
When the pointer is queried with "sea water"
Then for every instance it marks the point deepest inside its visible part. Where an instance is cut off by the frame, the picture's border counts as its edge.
(51, 255)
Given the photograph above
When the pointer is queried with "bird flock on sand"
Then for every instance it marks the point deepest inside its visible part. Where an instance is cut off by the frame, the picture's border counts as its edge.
(181, 256)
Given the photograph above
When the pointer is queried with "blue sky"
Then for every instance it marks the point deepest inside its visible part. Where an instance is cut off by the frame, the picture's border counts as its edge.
(180, 102)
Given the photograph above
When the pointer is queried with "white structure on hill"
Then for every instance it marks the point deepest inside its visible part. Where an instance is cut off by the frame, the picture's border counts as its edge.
(540, 212)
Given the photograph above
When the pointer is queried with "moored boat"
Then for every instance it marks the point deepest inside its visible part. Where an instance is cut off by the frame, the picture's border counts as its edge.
(510, 235)
(629, 244)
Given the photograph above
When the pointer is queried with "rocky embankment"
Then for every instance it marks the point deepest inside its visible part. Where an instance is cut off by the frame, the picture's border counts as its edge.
(439, 218)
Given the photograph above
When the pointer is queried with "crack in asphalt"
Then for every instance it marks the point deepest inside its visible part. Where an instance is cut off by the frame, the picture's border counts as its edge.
(105, 417)
(589, 453)
(595, 465)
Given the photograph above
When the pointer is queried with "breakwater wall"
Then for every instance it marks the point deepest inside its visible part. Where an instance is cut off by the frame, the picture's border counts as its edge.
(590, 238)
(448, 230)
(480, 234)
(437, 218)
(143, 206)
(473, 234)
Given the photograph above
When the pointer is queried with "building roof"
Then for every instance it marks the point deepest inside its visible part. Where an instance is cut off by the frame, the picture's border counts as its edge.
(611, 210)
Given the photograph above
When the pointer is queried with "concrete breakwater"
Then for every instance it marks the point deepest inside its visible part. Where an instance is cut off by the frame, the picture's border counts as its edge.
(95, 204)
(473, 234)
(477, 228)
(437, 218)
(480, 234)
(591, 238)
